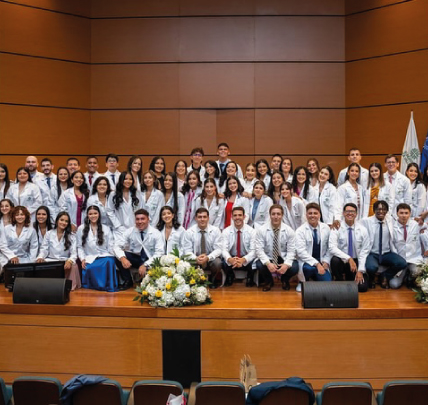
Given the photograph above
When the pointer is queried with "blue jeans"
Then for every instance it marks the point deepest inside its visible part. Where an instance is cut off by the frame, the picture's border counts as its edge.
(311, 272)
(392, 261)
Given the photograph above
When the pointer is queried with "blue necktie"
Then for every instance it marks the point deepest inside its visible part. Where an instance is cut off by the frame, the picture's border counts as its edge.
(350, 243)
(48, 179)
(222, 166)
(113, 177)
(380, 241)
(316, 248)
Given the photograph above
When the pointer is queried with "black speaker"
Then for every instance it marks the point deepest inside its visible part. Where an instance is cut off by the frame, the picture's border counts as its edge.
(330, 294)
(41, 290)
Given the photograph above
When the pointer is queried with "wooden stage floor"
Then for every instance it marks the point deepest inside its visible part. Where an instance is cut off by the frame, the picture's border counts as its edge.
(109, 334)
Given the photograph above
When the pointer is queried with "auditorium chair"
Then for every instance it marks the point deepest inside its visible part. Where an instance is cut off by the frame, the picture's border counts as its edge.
(286, 395)
(153, 392)
(108, 392)
(5, 393)
(404, 392)
(217, 393)
(349, 393)
(36, 391)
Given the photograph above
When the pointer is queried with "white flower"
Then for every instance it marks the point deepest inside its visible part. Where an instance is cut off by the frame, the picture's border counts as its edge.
(151, 289)
(424, 286)
(168, 297)
(180, 280)
(182, 267)
(201, 294)
(180, 292)
(167, 260)
(161, 282)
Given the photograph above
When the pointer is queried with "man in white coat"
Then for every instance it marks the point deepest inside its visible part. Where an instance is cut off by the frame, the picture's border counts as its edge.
(349, 246)
(382, 249)
(202, 242)
(354, 157)
(92, 171)
(31, 163)
(407, 242)
(238, 248)
(312, 246)
(275, 250)
(143, 243)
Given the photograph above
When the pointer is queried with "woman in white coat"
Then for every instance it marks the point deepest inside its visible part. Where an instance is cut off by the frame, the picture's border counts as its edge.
(4, 181)
(262, 168)
(294, 207)
(172, 197)
(95, 244)
(172, 232)
(325, 194)
(21, 239)
(62, 183)
(25, 193)
(101, 191)
(259, 206)
(377, 189)
(151, 197)
(274, 189)
(301, 184)
(210, 199)
(135, 167)
(234, 198)
(6, 208)
(418, 189)
(350, 192)
(42, 224)
(123, 203)
(60, 245)
(191, 190)
(74, 200)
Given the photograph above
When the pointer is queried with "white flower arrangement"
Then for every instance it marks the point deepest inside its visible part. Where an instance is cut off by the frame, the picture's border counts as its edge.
(174, 281)
(421, 289)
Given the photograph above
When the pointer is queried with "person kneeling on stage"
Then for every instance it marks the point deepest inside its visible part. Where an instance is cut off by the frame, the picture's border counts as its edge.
(144, 242)
(202, 242)
(238, 248)
(312, 246)
(382, 249)
(275, 250)
(407, 242)
(349, 246)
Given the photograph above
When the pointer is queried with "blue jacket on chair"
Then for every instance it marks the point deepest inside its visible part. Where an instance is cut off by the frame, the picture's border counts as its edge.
(257, 393)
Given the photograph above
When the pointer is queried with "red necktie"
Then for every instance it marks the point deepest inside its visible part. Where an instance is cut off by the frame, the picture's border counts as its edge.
(238, 244)
(90, 179)
(405, 232)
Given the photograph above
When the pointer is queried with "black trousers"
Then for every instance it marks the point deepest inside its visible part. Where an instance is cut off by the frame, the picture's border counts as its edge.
(136, 262)
(267, 275)
(229, 271)
(341, 270)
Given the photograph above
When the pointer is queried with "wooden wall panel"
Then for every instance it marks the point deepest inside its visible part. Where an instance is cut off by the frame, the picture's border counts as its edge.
(134, 8)
(197, 128)
(299, 85)
(134, 86)
(291, 132)
(32, 130)
(387, 30)
(43, 33)
(395, 79)
(27, 80)
(78, 7)
(135, 40)
(383, 130)
(216, 85)
(139, 132)
(215, 8)
(355, 6)
(299, 38)
(307, 7)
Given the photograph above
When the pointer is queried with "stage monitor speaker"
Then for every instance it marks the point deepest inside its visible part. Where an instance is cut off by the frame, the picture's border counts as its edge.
(330, 294)
(41, 291)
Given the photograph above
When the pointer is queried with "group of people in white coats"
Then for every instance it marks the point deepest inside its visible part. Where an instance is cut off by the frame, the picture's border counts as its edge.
(368, 222)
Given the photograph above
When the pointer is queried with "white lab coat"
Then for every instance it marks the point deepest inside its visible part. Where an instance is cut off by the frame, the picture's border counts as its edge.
(240, 201)
(110, 179)
(68, 202)
(192, 242)
(54, 204)
(181, 206)
(401, 189)
(53, 249)
(105, 219)
(91, 251)
(409, 249)
(5, 253)
(215, 210)
(364, 177)
(419, 195)
(44, 188)
(24, 246)
(189, 204)
(327, 201)
(262, 213)
(94, 177)
(347, 194)
(297, 215)
(371, 223)
(229, 238)
(30, 198)
(338, 243)
(174, 240)
(385, 194)
(123, 217)
(153, 205)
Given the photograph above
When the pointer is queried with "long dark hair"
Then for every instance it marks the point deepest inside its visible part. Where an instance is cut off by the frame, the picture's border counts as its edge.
(214, 164)
(97, 181)
(83, 188)
(186, 186)
(22, 168)
(224, 175)
(6, 178)
(349, 168)
(258, 175)
(271, 188)
(152, 165)
(58, 183)
(295, 184)
(371, 182)
(418, 178)
(118, 197)
(174, 190)
(240, 189)
(87, 227)
(204, 194)
(332, 178)
(131, 160)
(48, 220)
(161, 223)
(67, 231)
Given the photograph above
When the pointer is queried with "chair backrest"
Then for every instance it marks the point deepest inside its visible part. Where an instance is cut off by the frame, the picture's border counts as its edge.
(286, 395)
(5, 393)
(154, 392)
(106, 393)
(36, 391)
(404, 392)
(346, 393)
(220, 393)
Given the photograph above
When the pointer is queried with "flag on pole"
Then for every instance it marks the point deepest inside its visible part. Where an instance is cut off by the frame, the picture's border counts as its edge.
(411, 152)
(424, 156)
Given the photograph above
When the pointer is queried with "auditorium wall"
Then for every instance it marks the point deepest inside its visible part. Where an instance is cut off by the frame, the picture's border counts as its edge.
(268, 76)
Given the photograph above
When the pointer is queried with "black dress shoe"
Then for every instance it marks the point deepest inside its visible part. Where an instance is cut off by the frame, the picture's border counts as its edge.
(267, 287)
(384, 284)
(410, 282)
(286, 285)
(250, 283)
(229, 281)
(125, 286)
(213, 286)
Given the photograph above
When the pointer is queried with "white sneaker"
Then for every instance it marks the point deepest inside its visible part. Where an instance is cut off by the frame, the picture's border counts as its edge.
(299, 287)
